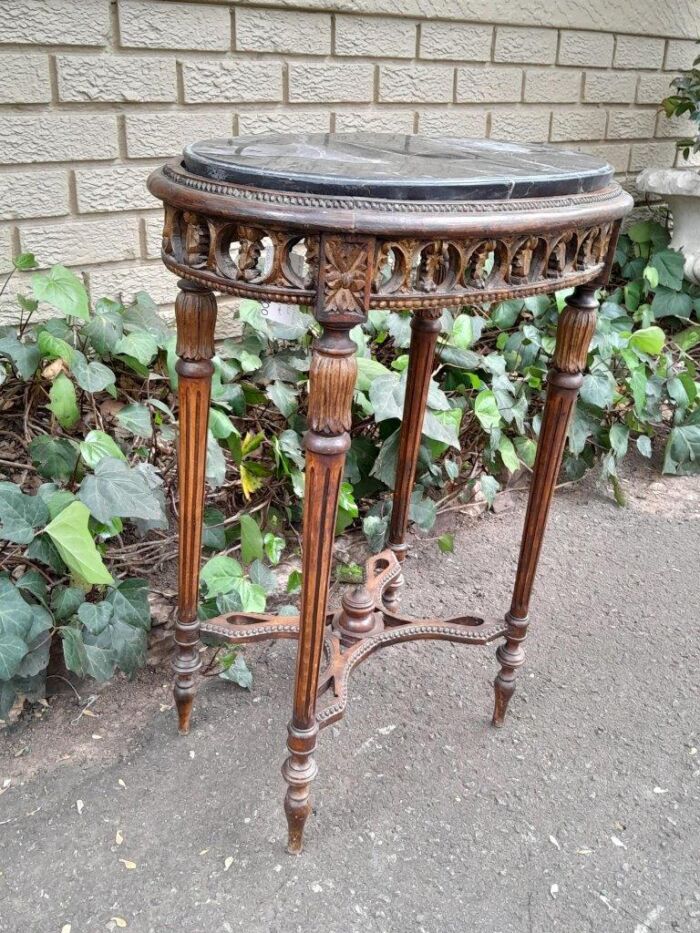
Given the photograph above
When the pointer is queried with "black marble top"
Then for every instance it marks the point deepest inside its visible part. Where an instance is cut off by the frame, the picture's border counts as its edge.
(386, 165)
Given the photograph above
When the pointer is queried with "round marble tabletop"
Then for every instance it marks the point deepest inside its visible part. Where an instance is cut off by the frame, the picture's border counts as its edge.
(393, 166)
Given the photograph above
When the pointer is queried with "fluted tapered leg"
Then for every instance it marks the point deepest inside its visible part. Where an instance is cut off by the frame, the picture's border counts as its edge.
(195, 311)
(331, 384)
(425, 328)
(574, 333)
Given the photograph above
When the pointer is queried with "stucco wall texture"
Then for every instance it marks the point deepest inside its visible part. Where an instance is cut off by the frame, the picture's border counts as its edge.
(95, 93)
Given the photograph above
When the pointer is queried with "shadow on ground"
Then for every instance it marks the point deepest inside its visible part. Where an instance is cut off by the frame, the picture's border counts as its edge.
(581, 815)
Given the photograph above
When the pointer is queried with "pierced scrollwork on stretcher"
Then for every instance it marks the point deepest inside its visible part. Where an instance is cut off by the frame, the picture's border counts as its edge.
(273, 264)
(341, 658)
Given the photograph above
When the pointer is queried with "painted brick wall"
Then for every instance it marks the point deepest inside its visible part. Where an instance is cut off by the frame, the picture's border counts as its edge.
(95, 93)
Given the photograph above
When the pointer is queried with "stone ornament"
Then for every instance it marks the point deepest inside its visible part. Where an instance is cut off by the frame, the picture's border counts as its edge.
(680, 188)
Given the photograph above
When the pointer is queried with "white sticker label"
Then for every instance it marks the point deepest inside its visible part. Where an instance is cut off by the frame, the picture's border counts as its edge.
(280, 313)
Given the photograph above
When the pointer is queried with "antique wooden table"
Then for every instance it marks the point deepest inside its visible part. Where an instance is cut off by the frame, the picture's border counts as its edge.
(344, 223)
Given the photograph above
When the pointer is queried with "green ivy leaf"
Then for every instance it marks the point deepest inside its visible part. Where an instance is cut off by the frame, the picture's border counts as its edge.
(43, 550)
(65, 601)
(486, 410)
(54, 457)
(398, 325)
(669, 267)
(69, 533)
(63, 403)
(678, 391)
(508, 454)
(53, 348)
(16, 615)
(115, 488)
(99, 663)
(91, 376)
(95, 616)
(462, 332)
(129, 601)
(142, 317)
(461, 359)
(33, 582)
(619, 439)
(25, 356)
(104, 330)
(251, 540)
(670, 303)
(136, 418)
(648, 231)
(24, 261)
(214, 532)
(98, 445)
(688, 338)
(220, 574)
(138, 344)
(62, 289)
(73, 650)
(598, 388)
(84, 659)
(12, 650)
(649, 340)
(446, 543)
(288, 449)
(682, 454)
(489, 487)
(384, 468)
(526, 450)
(644, 445)
(295, 325)
(375, 529)
(250, 312)
(347, 508)
(422, 510)
(443, 426)
(216, 462)
(294, 581)
(35, 661)
(129, 646)
(638, 387)
(56, 499)
(505, 313)
(274, 546)
(20, 514)
(238, 673)
(220, 424)
(244, 596)
(651, 275)
(367, 371)
(283, 397)
(262, 576)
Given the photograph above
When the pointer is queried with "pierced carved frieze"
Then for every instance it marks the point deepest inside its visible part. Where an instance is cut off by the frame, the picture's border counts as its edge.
(250, 249)
(196, 240)
(521, 266)
(345, 275)
(453, 271)
(559, 255)
(240, 258)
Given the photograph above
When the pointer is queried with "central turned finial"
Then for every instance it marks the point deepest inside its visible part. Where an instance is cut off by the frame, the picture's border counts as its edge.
(358, 616)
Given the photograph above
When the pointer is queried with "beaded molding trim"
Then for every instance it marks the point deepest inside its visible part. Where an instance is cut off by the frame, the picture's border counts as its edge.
(268, 196)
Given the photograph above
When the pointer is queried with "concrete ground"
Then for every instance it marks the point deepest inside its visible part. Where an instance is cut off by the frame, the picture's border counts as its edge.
(581, 815)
